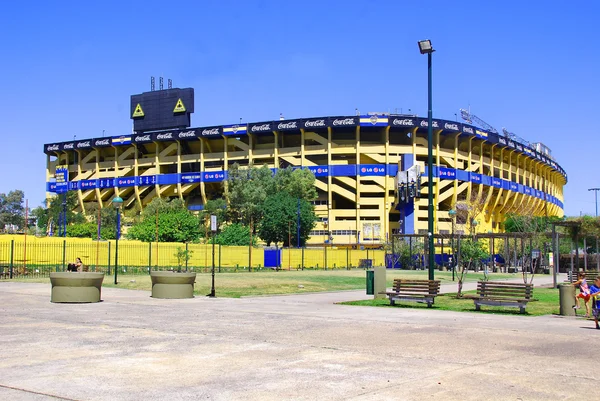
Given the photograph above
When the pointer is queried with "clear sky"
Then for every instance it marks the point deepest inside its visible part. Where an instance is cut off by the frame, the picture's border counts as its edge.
(69, 68)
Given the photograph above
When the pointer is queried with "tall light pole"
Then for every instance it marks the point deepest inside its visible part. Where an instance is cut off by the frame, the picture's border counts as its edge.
(425, 48)
(117, 202)
(596, 195)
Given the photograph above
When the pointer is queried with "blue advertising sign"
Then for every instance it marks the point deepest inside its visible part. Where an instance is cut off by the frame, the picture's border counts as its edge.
(125, 182)
(496, 182)
(87, 184)
(61, 187)
(476, 178)
(213, 176)
(371, 169)
(147, 180)
(189, 178)
(343, 170)
(105, 183)
(319, 171)
(447, 173)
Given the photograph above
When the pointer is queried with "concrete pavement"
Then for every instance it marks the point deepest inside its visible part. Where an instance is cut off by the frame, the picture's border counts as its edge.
(301, 347)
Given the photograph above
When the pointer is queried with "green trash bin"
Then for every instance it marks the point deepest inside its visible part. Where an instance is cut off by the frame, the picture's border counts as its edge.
(370, 282)
(566, 292)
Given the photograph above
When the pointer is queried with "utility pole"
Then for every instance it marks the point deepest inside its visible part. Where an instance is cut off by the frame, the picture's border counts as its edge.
(596, 196)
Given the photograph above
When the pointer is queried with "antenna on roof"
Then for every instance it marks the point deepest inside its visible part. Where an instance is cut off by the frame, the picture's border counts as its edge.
(281, 116)
(160, 84)
(152, 84)
(170, 83)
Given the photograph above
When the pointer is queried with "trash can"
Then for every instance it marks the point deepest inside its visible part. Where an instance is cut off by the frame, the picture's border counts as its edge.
(370, 282)
(566, 299)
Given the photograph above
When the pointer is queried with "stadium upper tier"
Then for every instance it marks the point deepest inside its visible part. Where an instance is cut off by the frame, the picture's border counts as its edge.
(355, 159)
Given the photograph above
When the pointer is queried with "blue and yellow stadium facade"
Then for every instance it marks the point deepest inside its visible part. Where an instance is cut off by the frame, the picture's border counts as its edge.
(355, 160)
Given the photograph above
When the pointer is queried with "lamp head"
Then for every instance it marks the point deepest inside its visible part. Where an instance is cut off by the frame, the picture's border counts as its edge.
(425, 46)
(117, 201)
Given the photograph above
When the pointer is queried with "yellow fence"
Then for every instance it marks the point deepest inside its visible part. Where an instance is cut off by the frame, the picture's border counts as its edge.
(57, 252)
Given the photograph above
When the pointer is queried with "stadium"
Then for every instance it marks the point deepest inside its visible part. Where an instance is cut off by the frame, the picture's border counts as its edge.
(370, 170)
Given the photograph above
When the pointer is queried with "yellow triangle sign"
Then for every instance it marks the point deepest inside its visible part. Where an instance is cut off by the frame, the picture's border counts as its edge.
(138, 111)
(179, 107)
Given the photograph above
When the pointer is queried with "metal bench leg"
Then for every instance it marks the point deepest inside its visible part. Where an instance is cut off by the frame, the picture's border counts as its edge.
(521, 309)
(477, 306)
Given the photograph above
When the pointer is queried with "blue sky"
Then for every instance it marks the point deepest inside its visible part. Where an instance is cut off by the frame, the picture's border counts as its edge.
(530, 66)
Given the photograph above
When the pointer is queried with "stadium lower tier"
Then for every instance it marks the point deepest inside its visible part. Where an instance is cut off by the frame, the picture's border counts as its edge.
(357, 173)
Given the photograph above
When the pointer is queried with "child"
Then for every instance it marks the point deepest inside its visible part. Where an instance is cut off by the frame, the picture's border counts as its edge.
(584, 293)
(595, 294)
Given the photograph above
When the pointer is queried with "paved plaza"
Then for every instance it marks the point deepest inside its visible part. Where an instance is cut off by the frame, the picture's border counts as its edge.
(296, 347)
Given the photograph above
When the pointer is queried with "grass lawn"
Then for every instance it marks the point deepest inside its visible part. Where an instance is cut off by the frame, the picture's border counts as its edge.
(268, 282)
(547, 303)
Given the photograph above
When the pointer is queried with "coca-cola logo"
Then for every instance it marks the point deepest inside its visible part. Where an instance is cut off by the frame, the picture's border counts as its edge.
(143, 138)
(451, 126)
(69, 146)
(187, 134)
(290, 125)
(168, 135)
(468, 130)
(425, 123)
(511, 143)
(85, 144)
(405, 122)
(102, 142)
(261, 128)
(502, 141)
(343, 122)
(52, 147)
(211, 131)
(315, 123)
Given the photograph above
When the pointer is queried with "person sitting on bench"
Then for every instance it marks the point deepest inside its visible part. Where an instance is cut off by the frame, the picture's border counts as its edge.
(74, 267)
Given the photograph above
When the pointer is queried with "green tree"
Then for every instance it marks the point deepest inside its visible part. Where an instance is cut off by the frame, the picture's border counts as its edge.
(235, 234)
(280, 216)
(175, 223)
(470, 251)
(12, 210)
(298, 183)
(215, 207)
(246, 190)
(53, 207)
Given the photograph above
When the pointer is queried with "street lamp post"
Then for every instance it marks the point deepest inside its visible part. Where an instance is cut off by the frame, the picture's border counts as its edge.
(452, 214)
(596, 196)
(426, 48)
(117, 202)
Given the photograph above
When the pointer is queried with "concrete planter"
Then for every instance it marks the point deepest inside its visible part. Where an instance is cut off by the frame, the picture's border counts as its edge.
(76, 287)
(172, 285)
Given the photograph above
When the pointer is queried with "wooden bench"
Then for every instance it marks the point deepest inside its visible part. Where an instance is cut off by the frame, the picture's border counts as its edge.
(590, 276)
(414, 291)
(500, 293)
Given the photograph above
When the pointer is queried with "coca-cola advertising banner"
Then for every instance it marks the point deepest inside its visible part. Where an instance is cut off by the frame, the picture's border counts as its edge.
(260, 128)
(211, 132)
(315, 123)
(288, 125)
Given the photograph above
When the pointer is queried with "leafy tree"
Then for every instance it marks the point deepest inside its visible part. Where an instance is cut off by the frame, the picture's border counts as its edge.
(12, 211)
(298, 183)
(216, 207)
(53, 207)
(280, 219)
(470, 251)
(183, 256)
(175, 223)
(246, 190)
(404, 251)
(235, 234)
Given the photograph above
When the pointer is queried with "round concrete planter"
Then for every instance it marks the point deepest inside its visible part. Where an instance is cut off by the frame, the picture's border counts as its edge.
(76, 287)
(172, 285)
